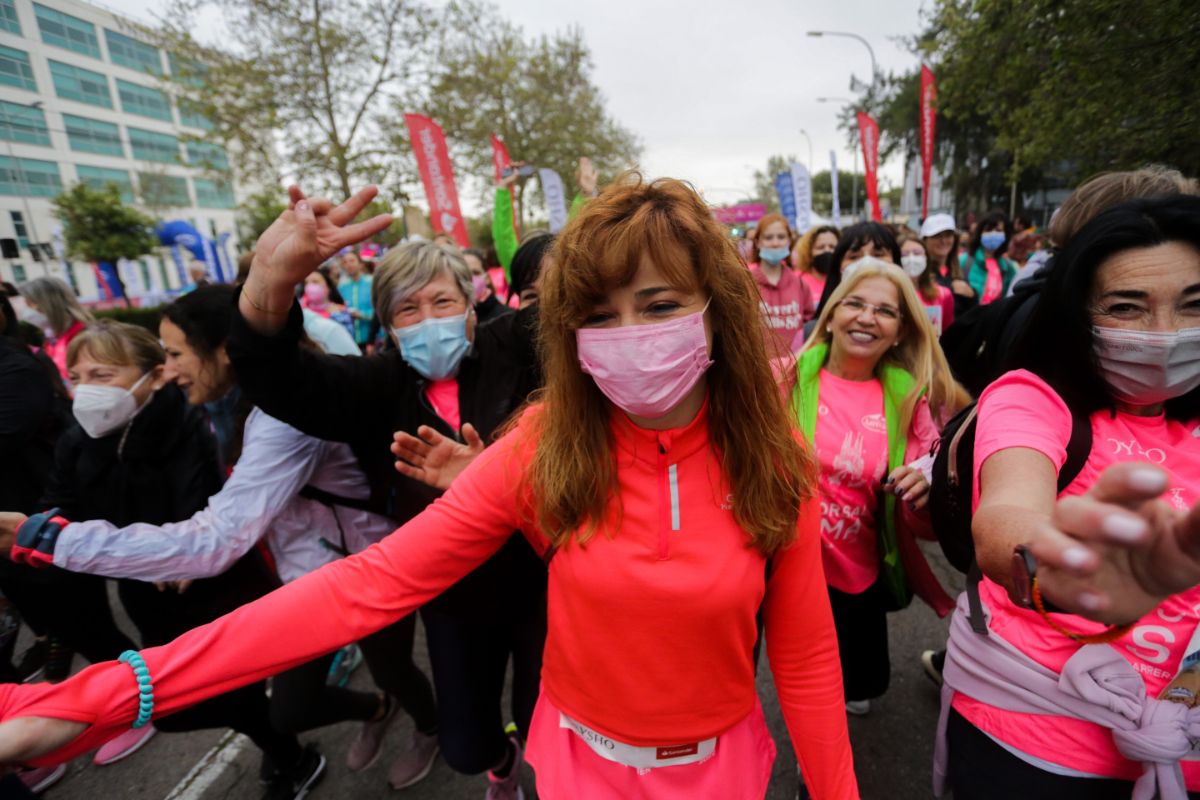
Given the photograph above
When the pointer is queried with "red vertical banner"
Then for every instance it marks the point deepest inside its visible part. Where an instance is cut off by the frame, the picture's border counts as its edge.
(868, 134)
(433, 161)
(928, 123)
(501, 160)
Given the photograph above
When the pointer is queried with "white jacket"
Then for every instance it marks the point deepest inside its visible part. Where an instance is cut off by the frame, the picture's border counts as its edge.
(261, 498)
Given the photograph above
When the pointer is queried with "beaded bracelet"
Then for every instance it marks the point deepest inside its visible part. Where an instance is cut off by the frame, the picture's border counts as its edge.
(145, 689)
(1113, 632)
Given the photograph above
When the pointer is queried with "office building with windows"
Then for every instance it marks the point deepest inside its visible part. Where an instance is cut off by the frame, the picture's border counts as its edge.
(81, 100)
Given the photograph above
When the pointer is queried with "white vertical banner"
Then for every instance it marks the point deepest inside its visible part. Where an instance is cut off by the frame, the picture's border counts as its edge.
(556, 198)
(836, 213)
(802, 187)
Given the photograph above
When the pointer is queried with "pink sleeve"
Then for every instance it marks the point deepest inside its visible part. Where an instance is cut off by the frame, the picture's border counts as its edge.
(1020, 410)
(337, 604)
(921, 435)
(802, 649)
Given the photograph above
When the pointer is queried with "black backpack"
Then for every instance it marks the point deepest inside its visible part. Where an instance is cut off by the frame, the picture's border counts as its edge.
(978, 341)
(953, 481)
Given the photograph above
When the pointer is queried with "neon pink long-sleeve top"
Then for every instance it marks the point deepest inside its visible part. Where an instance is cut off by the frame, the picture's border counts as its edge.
(652, 622)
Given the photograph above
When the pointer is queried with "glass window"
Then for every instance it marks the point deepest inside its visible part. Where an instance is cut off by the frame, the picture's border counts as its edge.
(131, 53)
(18, 221)
(8, 17)
(144, 101)
(99, 177)
(207, 155)
(22, 123)
(190, 116)
(151, 146)
(213, 194)
(18, 273)
(186, 69)
(83, 85)
(29, 177)
(63, 30)
(93, 136)
(164, 191)
(15, 69)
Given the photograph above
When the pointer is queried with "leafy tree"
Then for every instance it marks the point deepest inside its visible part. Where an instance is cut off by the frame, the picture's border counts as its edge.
(302, 88)
(97, 226)
(256, 214)
(536, 94)
(822, 187)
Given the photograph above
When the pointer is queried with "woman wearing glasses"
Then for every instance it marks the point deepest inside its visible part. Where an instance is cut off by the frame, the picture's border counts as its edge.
(865, 383)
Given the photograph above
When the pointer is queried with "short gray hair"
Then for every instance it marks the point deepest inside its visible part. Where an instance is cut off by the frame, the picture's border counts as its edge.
(408, 267)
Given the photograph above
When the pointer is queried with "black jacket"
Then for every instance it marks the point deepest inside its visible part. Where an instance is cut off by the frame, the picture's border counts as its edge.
(164, 471)
(32, 415)
(363, 401)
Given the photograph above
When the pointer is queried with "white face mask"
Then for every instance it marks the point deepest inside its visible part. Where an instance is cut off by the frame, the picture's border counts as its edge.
(1145, 368)
(914, 265)
(101, 410)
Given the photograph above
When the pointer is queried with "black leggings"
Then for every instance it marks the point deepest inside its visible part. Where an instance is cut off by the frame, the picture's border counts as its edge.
(980, 769)
(861, 623)
(70, 605)
(301, 700)
(469, 661)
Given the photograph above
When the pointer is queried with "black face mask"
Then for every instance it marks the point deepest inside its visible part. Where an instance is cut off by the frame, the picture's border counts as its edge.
(821, 264)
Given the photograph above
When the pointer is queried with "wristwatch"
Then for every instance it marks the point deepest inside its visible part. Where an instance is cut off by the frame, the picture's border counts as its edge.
(1024, 570)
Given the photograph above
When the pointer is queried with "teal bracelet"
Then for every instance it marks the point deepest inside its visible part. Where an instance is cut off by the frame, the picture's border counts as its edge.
(145, 689)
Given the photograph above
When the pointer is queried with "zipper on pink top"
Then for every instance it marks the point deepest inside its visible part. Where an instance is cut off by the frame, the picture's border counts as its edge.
(668, 496)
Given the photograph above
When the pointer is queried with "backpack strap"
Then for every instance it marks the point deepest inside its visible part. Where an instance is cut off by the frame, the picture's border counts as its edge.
(329, 499)
(974, 604)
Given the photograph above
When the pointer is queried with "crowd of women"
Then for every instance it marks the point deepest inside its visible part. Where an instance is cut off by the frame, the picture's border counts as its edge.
(656, 454)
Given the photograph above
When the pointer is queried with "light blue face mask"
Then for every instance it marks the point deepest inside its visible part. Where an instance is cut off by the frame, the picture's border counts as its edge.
(992, 240)
(773, 255)
(434, 347)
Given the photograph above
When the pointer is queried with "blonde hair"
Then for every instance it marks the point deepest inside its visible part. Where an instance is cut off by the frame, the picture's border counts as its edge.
(119, 344)
(58, 302)
(408, 267)
(1102, 192)
(573, 474)
(804, 246)
(917, 351)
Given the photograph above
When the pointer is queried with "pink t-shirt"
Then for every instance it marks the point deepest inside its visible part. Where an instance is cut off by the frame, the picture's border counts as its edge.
(443, 396)
(852, 447)
(786, 306)
(1021, 410)
(941, 310)
(993, 287)
(816, 286)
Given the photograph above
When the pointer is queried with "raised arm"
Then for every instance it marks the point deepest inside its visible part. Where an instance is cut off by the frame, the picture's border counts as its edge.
(303, 236)
(802, 648)
(277, 461)
(339, 603)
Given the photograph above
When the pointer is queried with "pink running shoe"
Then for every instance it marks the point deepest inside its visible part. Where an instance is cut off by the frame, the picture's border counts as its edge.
(39, 779)
(508, 788)
(124, 745)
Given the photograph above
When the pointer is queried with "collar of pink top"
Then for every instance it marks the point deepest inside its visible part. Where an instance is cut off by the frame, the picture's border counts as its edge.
(650, 446)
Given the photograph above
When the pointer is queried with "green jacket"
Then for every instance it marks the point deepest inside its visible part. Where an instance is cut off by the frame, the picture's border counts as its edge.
(974, 269)
(897, 383)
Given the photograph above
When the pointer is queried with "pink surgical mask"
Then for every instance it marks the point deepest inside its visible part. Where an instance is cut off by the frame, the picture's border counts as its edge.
(315, 293)
(646, 370)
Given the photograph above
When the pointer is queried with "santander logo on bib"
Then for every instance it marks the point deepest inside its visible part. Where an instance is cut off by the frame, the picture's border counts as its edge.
(875, 423)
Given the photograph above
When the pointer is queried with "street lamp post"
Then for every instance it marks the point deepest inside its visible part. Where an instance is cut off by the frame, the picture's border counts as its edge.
(853, 155)
(804, 133)
(866, 44)
(34, 239)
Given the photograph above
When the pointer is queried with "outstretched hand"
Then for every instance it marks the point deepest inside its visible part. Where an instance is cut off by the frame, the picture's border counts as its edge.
(1118, 551)
(10, 521)
(432, 458)
(26, 738)
(308, 232)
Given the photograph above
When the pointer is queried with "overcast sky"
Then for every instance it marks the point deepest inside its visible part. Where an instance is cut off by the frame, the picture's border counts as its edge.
(714, 87)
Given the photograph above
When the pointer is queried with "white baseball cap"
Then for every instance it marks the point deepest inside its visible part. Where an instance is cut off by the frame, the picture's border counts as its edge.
(935, 224)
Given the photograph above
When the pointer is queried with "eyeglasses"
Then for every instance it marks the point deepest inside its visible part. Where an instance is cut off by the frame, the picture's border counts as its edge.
(857, 307)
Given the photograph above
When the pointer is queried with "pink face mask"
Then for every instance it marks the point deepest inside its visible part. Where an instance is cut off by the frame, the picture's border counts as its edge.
(646, 370)
(315, 293)
(480, 282)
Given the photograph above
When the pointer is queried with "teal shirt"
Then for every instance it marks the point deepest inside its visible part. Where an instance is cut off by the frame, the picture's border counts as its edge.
(357, 294)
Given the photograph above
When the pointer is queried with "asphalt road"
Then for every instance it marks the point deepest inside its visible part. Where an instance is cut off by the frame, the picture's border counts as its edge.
(893, 745)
